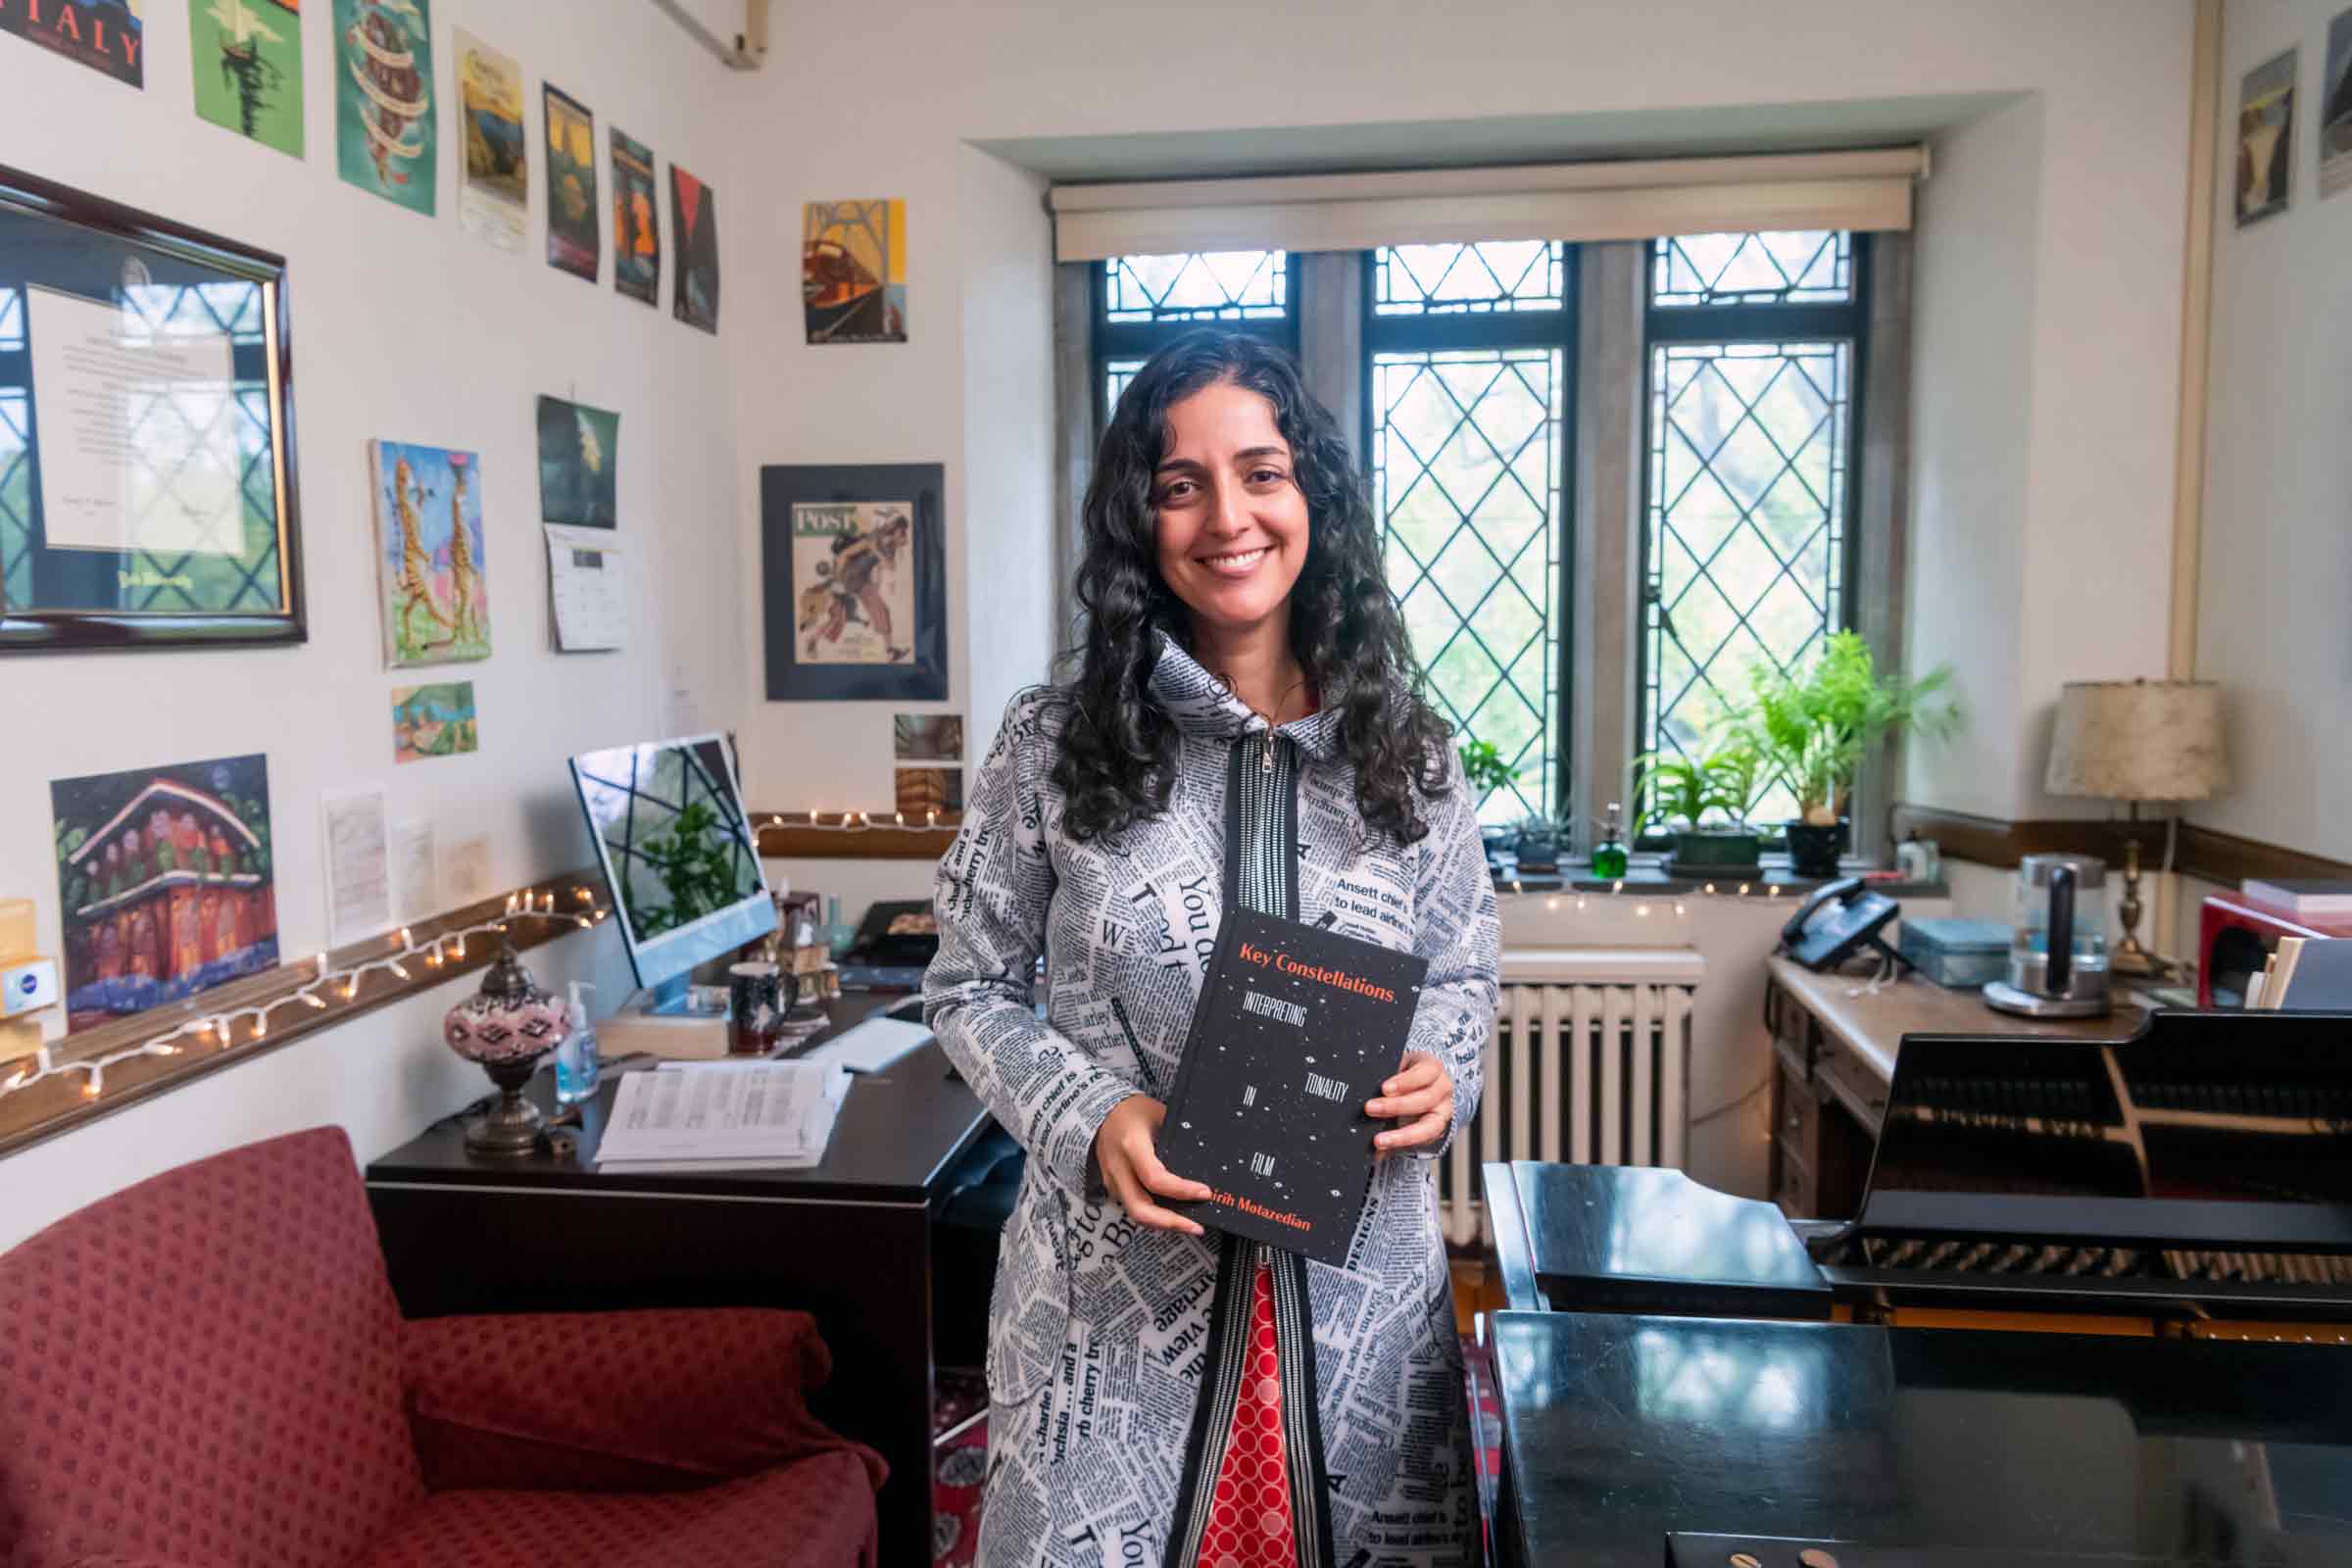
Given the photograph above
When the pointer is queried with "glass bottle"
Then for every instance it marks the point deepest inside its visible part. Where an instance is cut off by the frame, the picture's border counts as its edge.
(1609, 859)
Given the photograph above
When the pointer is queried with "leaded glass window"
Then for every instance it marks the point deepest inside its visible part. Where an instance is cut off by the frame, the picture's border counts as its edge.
(1748, 491)
(1810, 266)
(1143, 303)
(1453, 279)
(1469, 366)
(1197, 286)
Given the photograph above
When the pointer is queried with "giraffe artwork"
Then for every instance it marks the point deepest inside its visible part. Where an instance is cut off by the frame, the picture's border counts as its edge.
(430, 564)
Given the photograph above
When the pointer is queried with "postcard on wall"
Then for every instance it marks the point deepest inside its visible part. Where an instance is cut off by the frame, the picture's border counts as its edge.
(416, 871)
(388, 131)
(465, 873)
(165, 884)
(493, 189)
(2335, 109)
(588, 589)
(853, 272)
(922, 791)
(247, 56)
(359, 866)
(854, 564)
(572, 243)
(2266, 139)
(927, 737)
(693, 219)
(636, 221)
(429, 564)
(103, 34)
(579, 448)
(436, 720)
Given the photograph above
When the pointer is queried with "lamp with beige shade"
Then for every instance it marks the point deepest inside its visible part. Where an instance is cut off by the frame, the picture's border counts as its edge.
(2135, 741)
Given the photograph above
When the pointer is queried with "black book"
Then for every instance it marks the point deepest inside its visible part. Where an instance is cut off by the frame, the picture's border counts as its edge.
(1297, 1027)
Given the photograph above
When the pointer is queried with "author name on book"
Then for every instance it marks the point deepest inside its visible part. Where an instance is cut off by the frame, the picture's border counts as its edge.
(1284, 963)
(1234, 1201)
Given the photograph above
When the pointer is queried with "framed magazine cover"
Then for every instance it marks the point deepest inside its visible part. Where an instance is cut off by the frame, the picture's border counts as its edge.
(147, 495)
(854, 582)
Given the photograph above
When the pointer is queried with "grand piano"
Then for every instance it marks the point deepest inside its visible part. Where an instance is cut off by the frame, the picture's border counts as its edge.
(2096, 1303)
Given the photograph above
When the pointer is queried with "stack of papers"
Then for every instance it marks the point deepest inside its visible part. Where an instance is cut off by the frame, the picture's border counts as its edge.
(868, 1046)
(723, 1116)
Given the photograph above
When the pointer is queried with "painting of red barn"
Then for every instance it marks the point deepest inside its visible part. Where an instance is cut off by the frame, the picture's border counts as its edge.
(164, 881)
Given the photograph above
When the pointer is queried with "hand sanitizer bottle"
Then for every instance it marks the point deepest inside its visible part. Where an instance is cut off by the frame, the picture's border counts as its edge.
(576, 1065)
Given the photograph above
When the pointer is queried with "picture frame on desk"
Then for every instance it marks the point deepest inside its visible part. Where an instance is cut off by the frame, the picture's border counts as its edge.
(112, 316)
(854, 582)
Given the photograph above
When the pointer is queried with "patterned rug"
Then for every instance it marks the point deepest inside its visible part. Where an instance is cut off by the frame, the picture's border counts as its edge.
(960, 1465)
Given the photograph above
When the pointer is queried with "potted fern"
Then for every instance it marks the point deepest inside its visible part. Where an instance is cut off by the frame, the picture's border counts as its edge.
(1684, 793)
(1812, 730)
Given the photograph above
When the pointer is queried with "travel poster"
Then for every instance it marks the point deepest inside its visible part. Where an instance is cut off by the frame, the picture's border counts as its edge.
(247, 55)
(2266, 139)
(853, 272)
(636, 221)
(165, 883)
(494, 192)
(572, 234)
(103, 34)
(387, 139)
(2335, 108)
(693, 218)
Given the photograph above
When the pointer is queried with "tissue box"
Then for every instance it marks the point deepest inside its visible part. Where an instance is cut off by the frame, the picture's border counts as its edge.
(1960, 954)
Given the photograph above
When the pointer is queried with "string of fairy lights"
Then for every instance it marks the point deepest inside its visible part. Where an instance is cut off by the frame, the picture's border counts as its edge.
(857, 821)
(219, 1031)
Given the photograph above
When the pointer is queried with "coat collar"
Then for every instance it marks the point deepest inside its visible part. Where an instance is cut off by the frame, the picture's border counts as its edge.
(1204, 706)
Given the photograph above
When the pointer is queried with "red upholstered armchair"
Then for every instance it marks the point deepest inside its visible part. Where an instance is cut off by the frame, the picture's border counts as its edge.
(208, 1370)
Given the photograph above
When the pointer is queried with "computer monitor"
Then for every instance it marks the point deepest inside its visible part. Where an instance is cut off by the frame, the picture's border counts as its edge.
(678, 852)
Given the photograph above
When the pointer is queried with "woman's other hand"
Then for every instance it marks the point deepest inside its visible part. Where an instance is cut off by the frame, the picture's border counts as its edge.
(1130, 1166)
(1419, 1099)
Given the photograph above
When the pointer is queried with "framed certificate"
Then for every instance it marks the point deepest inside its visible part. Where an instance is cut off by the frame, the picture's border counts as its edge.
(146, 431)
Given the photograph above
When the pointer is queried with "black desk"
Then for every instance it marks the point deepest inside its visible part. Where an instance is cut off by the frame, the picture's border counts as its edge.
(1619, 1429)
(1630, 1238)
(849, 1241)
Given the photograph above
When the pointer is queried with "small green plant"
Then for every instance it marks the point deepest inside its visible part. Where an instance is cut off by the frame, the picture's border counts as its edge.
(1483, 765)
(695, 858)
(1812, 728)
(1681, 791)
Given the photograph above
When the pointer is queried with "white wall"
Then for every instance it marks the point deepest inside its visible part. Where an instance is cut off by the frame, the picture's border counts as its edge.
(2276, 570)
(403, 328)
(2052, 322)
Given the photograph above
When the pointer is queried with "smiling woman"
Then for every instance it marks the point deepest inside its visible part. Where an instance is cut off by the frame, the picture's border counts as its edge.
(1245, 715)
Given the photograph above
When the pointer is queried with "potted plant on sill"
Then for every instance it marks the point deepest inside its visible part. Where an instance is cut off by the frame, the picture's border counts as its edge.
(1484, 770)
(1812, 730)
(1683, 793)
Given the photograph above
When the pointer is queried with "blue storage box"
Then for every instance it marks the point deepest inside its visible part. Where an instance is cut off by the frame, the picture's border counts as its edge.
(1960, 954)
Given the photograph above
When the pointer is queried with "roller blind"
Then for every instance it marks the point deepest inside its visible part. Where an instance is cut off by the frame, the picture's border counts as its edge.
(1597, 200)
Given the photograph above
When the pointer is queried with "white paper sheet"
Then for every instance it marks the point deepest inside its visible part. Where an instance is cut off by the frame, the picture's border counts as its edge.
(779, 1112)
(869, 1046)
(466, 871)
(138, 430)
(416, 871)
(358, 871)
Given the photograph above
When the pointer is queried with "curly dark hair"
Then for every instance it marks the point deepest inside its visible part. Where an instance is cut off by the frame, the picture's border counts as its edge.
(1118, 749)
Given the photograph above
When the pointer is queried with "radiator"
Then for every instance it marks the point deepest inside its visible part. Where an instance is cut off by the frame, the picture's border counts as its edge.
(1590, 1064)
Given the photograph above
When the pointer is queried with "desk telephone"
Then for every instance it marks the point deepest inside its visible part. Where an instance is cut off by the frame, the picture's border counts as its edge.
(1839, 920)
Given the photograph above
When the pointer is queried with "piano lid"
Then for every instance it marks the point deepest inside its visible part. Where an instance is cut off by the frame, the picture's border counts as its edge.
(2209, 1145)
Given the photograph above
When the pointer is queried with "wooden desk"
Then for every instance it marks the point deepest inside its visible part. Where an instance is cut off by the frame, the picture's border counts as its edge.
(847, 1240)
(1836, 1058)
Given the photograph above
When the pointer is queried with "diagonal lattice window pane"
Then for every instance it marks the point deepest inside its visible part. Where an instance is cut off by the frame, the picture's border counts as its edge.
(1744, 543)
(1460, 279)
(1814, 266)
(1116, 373)
(1465, 473)
(1197, 286)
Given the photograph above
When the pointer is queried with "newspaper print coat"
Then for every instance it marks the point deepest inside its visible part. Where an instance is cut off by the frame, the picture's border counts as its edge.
(1098, 1326)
